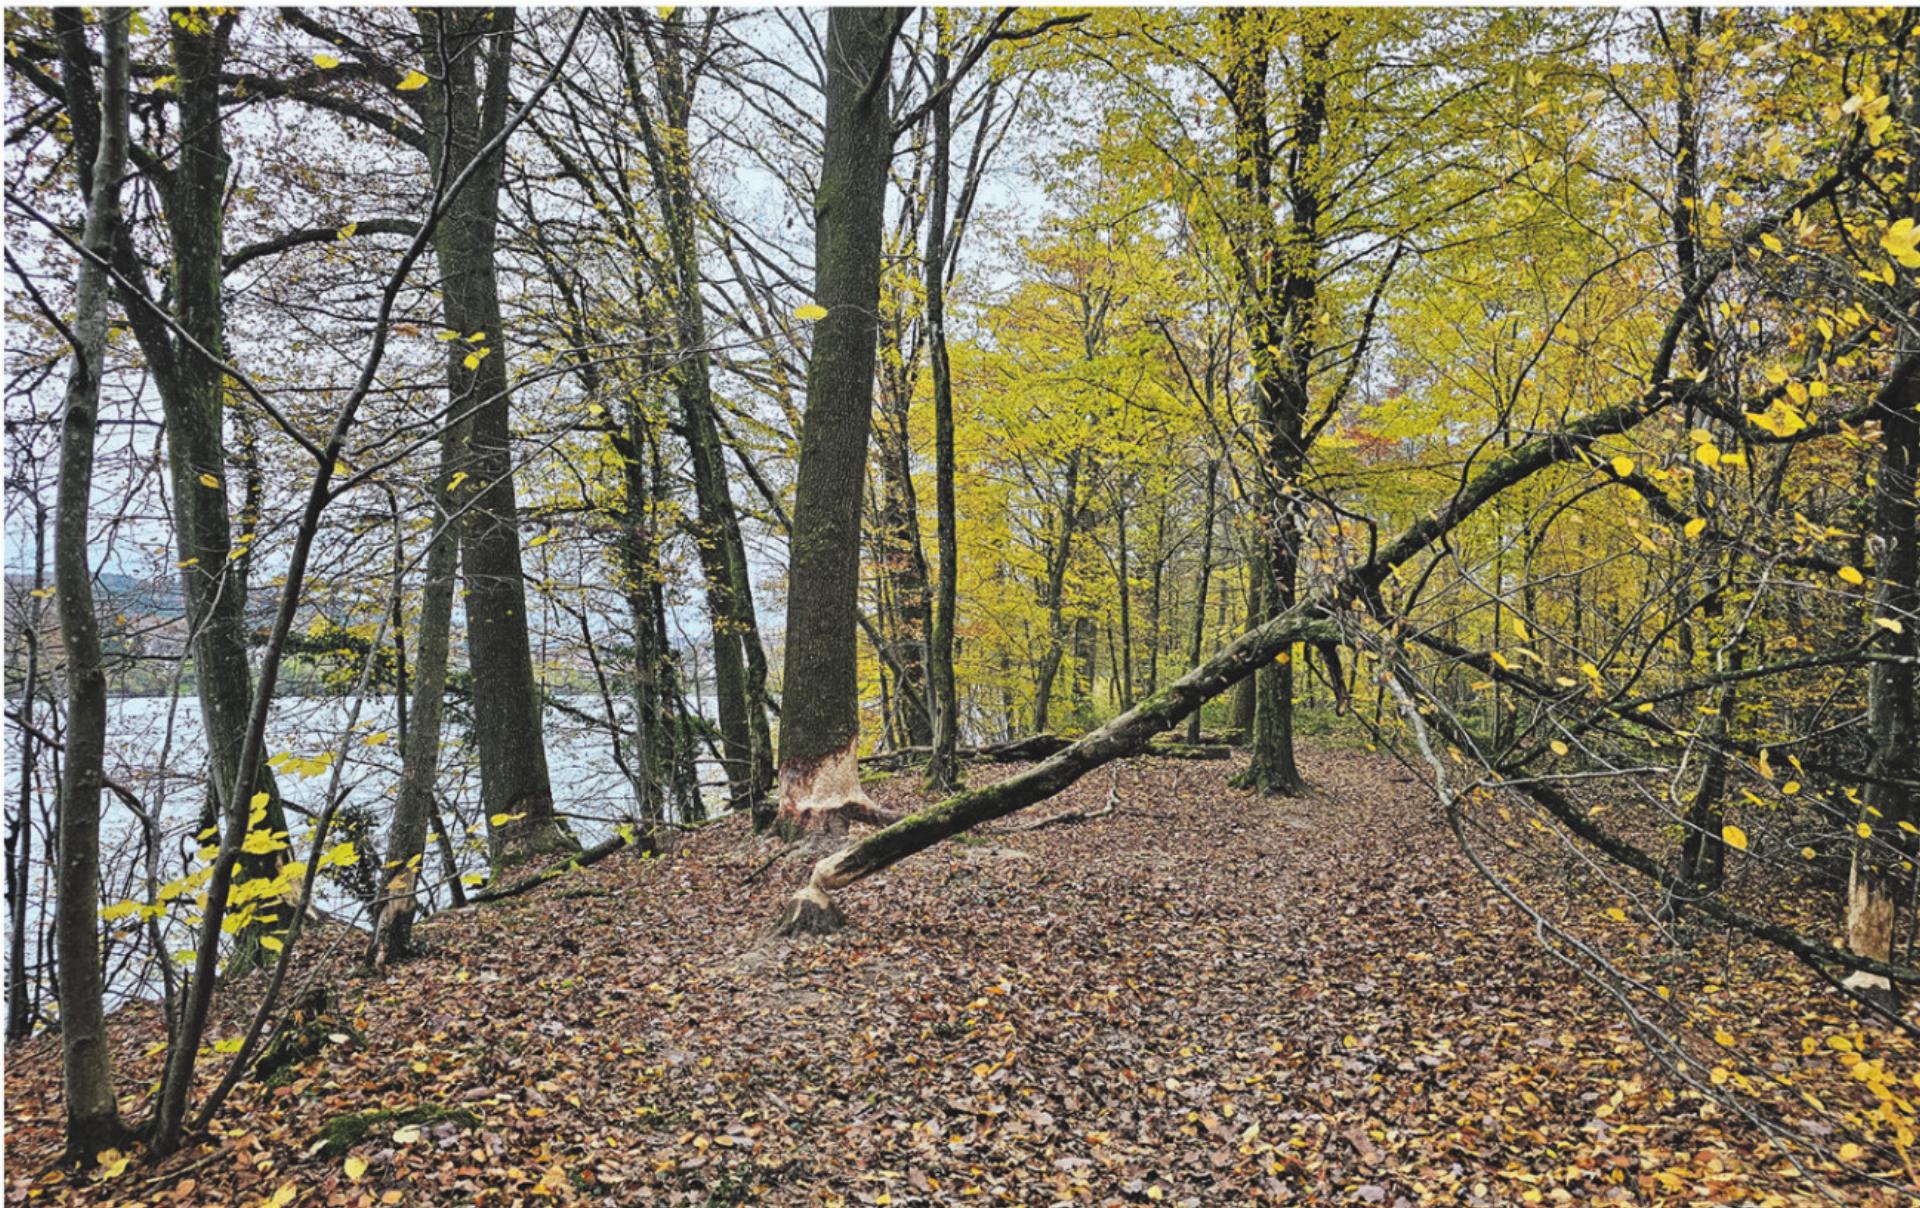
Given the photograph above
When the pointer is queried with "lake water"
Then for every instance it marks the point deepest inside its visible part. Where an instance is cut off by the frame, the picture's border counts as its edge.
(156, 747)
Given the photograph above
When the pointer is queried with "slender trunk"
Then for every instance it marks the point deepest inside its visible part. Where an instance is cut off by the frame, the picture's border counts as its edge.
(413, 809)
(943, 768)
(20, 828)
(93, 1118)
(739, 657)
(1124, 664)
(1059, 554)
(1196, 641)
(465, 113)
(819, 726)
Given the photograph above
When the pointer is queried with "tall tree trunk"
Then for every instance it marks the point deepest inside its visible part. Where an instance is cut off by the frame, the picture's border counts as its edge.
(1279, 289)
(413, 809)
(192, 389)
(1124, 664)
(464, 115)
(1893, 692)
(819, 725)
(93, 1118)
(740, 662)
(943, 767)
(213, 566)
(1196, 640)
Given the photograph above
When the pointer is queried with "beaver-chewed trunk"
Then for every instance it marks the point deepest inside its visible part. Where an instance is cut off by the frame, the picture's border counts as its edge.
(822, 796)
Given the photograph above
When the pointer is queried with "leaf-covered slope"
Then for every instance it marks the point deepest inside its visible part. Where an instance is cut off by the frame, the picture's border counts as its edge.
(1201, 998)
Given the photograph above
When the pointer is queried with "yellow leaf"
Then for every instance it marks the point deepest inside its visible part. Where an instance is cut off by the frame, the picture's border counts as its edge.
(411, 81)
(1852, 576)
(811, 311)
(1790, 787)
(325, 61)
(1723, 1038)
(1695, 527)
(1734, 837)
(1863, 830)
(375, 739)
(1617, 915)
(406, 1136)
(271, 943)
(1771, 244)
(356, 1166)
(1707, 455)
(1622, 465)
(1808, 853)
(208, 480)
(1889, 624)
(1557, 747)
(346, 232)
(1898, 241)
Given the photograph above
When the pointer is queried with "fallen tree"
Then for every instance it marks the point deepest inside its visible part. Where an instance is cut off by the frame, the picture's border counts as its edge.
(1359, 593)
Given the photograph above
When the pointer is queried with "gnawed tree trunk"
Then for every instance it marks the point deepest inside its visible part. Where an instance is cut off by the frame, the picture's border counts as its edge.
(93, 1117)
(464, 114)
(813, 910)
(1893, 693)
(820, 722)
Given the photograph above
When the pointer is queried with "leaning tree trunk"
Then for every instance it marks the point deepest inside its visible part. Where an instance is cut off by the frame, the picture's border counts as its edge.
(1893, 693)
(820, 723)
(464, 116)
(93, 1118)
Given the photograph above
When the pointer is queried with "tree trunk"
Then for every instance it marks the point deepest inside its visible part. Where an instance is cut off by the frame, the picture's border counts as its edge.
(819, 725)
(464, 115)
(943, 769)
(1196, 641)
(1124, 664)
(1279, 288)
(413, 809)
(1893, 693)
(1059, 553)
(93, 1118)
(740, 663)
(213, 565)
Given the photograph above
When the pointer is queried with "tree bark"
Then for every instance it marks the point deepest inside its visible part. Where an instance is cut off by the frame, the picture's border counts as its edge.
(819, 725)
(1196, 640)
(1893, 691)
(413, 809)
(943, 769)
(740, 662)
(92, 1115)
(465, 113)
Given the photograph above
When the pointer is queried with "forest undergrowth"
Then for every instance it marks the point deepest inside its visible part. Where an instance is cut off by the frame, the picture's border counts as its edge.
(1200, 998)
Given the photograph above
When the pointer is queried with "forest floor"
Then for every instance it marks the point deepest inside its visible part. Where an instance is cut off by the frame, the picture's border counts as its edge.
(1200, 999)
